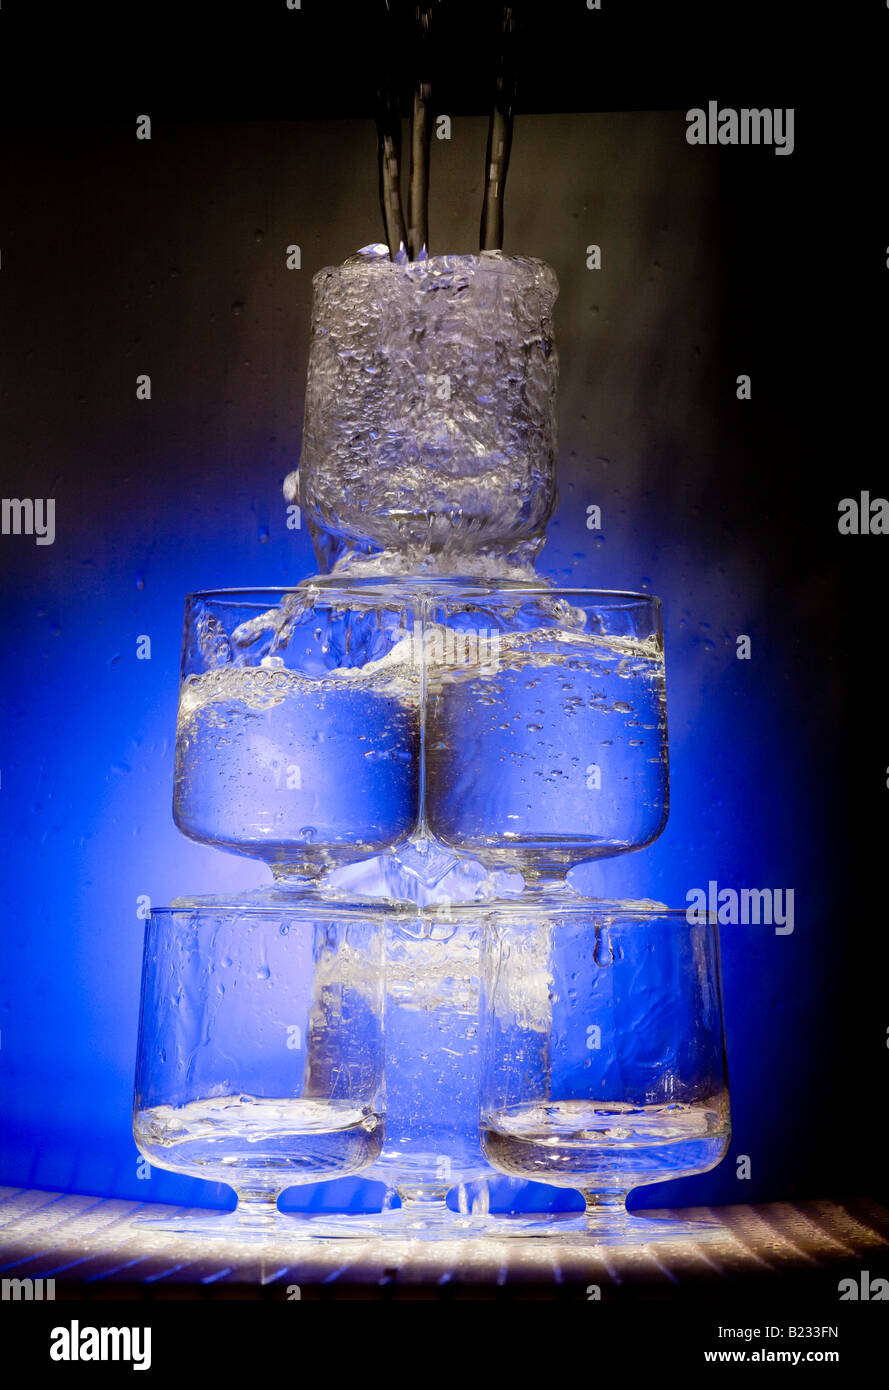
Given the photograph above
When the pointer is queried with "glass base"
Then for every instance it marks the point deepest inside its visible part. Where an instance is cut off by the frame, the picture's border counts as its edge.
(424, 1213)
(408, 1223)
(250, 1228)
(284, 894)
(427, 548)
(608, 1227)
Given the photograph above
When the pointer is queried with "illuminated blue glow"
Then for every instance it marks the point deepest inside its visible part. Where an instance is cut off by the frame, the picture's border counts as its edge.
(88, 766)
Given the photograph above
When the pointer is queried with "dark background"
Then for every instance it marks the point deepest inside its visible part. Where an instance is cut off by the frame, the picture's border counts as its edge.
(119, 257)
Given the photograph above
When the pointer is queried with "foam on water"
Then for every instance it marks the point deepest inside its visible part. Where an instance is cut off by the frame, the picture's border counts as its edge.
(264, 687)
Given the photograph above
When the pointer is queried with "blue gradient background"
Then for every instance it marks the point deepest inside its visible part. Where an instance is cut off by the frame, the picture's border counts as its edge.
(171, 262)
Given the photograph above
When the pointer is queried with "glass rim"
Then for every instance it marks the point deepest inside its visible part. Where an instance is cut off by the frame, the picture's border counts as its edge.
(322, 910)
(610, 909)
(485, 911)
(497, 262)
(423, 586)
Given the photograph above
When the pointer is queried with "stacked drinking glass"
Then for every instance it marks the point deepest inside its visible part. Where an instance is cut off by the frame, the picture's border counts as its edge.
(421, 742)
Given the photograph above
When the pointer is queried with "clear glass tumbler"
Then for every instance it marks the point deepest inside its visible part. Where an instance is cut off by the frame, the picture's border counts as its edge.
(603, 1060)
(432, 1070)
(260, 1055)
(432, 1140)
(546, 729)
(430, 424)
(298, 736)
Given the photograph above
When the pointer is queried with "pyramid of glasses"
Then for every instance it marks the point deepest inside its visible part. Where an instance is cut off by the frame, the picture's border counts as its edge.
(421, 741)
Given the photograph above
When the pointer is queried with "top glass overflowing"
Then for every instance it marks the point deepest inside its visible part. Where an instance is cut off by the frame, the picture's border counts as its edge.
(430, 432)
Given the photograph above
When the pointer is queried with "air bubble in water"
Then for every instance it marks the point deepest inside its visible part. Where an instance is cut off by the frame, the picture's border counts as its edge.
(603, 951)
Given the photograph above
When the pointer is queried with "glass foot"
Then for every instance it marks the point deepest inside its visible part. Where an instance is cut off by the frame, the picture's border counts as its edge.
(286, 893)
(424, 1214)
(248, 1227)
(603, 1228)
(405, 1223)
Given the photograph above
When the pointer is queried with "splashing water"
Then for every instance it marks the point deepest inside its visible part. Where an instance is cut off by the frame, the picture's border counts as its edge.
(430, 413)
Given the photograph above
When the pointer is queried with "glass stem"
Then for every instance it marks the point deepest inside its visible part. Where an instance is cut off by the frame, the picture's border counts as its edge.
(546, 883)
(306, 878)
(257, 1206)
(481, 1201)
(422, 1197)
(601, 1205)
